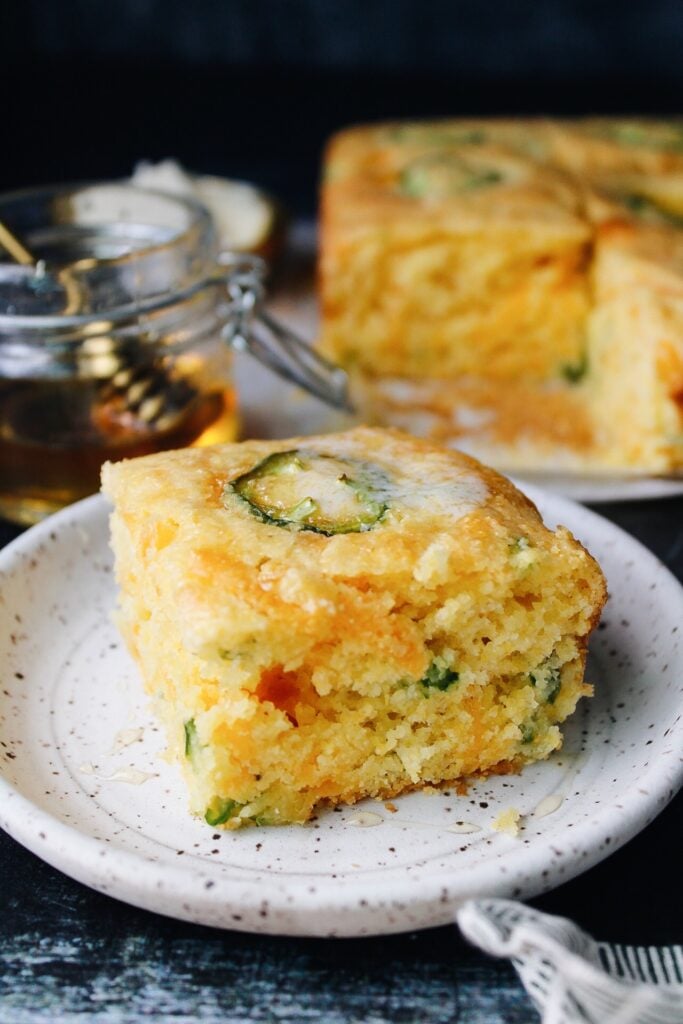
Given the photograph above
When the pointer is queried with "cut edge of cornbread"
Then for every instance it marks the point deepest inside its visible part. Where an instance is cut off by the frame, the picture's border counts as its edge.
(294, 669)
(464, 257)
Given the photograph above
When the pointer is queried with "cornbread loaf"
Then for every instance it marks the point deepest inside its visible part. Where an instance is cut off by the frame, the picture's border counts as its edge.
(512, 288)
(329, 618)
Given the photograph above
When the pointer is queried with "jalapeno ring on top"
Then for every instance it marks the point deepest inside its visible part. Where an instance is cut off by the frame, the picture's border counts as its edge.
(321, 493)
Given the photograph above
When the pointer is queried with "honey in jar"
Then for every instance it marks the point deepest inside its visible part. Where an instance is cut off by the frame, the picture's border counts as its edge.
(111, 346)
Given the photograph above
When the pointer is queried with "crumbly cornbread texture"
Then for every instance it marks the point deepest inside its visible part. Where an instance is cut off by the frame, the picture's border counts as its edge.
(514, 288)
(330, 618)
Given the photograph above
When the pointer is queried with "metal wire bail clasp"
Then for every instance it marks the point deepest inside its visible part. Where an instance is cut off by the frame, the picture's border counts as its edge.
(249, 328)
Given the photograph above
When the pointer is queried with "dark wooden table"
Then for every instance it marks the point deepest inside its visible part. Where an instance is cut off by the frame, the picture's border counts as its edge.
(71, 955)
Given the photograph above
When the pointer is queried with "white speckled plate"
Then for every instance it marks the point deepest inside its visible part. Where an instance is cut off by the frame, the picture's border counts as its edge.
(67, 792)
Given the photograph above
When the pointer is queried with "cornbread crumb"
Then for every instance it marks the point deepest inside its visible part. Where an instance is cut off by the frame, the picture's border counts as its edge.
(508, 822)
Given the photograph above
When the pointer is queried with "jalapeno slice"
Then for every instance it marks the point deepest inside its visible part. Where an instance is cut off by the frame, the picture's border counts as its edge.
(650, 209)
(439, 676)
(440, 175)
(221, 810)
(666, 136)
(192, 744)
(320, 493)
(547, 680)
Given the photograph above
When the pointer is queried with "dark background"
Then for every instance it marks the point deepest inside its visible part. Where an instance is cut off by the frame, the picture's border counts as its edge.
(252, 88)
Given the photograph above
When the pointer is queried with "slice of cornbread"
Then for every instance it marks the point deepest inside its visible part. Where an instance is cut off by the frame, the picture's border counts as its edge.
(329, 618)
(463, 268)
(456, 259)
(596, 144)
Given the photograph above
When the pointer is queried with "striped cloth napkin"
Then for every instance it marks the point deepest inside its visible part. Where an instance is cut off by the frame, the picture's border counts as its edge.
(572, 979)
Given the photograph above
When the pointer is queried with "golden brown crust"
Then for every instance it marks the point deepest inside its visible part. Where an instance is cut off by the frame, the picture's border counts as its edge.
(554, 284)
(447, 638)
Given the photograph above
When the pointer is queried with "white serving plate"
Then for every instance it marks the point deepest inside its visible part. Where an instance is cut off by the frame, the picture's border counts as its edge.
(67, 793)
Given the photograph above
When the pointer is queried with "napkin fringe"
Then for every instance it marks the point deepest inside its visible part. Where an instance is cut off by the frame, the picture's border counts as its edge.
(653, 965)
(572, 979)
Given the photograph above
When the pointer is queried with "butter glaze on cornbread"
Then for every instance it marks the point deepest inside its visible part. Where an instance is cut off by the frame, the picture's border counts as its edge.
(518, 284)
(445, 635)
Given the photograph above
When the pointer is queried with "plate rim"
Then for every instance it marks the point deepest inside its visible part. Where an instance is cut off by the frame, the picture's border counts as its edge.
(80, 855)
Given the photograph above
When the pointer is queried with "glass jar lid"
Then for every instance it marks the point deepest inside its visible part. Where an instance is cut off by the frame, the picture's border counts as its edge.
(113, 244)
(115, 262)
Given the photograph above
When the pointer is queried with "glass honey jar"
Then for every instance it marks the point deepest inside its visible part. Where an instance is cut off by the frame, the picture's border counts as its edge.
(113, 342)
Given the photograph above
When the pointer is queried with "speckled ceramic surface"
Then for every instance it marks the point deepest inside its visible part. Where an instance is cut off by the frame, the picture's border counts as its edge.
(83, 783)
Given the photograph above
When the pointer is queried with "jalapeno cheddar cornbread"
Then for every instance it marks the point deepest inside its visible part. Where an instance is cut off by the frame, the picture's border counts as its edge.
(514, 288)
(330, 618)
